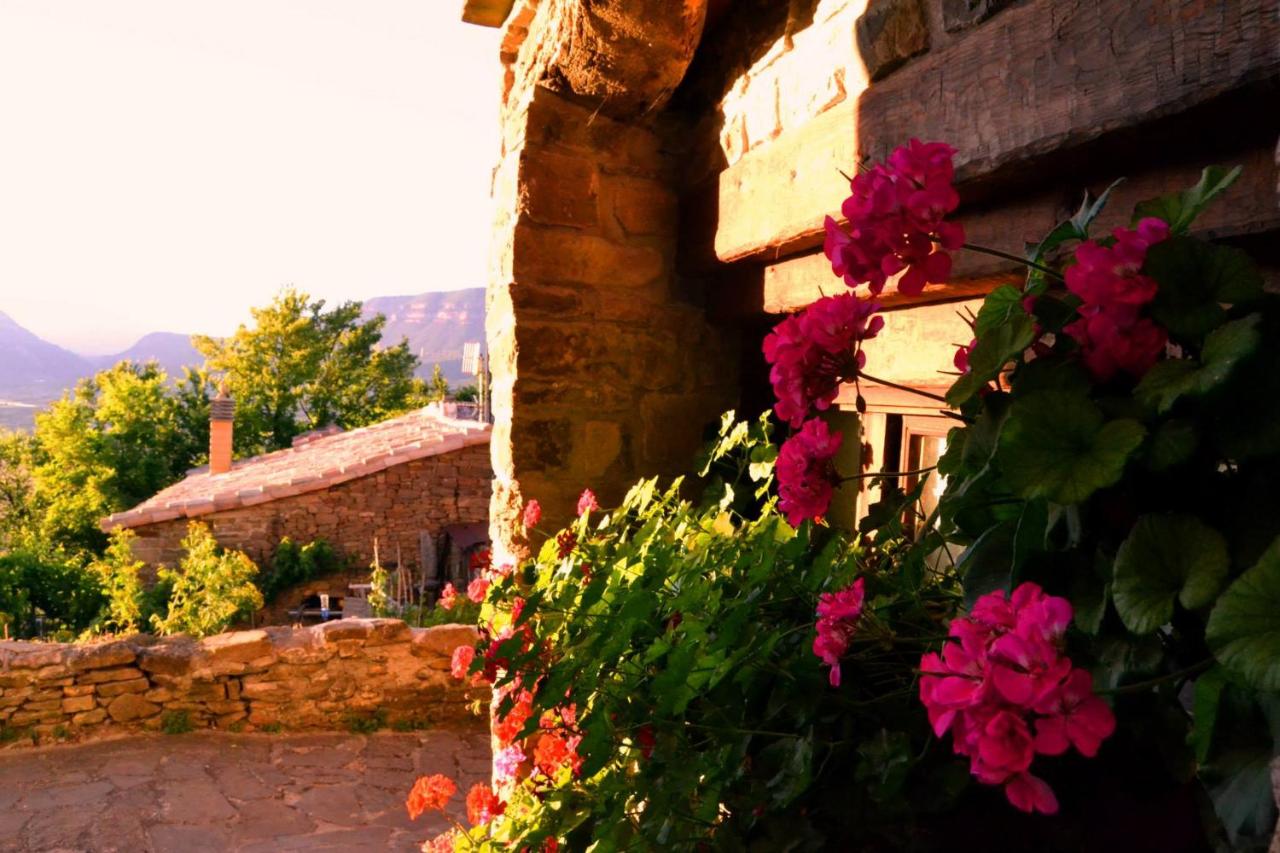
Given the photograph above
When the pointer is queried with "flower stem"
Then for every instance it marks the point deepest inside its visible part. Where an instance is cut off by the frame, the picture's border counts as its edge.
(908, 388)
(1140, 686)
(1017, 260)
(889, 474)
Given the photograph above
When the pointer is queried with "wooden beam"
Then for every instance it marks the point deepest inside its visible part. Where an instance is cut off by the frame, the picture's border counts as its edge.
(1249, 207)
(1043, 78)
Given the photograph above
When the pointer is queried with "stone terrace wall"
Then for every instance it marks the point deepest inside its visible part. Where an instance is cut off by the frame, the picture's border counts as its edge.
(393, 505)
(321, 677)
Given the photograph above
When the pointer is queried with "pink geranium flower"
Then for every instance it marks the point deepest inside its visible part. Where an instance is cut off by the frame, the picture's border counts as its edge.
(460, 663)
(587, 502)
(838, 615)
(806, 473)
(896, 212)
(532, 514)
(1006, 692)
(812, 352)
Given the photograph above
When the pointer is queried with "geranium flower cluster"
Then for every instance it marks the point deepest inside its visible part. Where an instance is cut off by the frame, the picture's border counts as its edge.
(806, 472)
(812, 352)
(896, 212)
(1113, 335)
(1004, 689)
(838, 617)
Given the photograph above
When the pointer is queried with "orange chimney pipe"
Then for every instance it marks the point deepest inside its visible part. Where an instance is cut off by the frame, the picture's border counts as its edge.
(222, 411)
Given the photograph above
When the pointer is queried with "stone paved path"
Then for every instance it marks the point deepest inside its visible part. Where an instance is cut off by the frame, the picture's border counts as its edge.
(225, 792)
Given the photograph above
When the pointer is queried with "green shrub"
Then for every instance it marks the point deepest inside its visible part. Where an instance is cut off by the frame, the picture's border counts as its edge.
(67, 596)
(176, 722)
(211, 588)
(118, 573)
(294, 564)
(364, 724)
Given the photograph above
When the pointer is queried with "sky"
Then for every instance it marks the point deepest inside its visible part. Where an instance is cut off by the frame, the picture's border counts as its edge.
(167, 164)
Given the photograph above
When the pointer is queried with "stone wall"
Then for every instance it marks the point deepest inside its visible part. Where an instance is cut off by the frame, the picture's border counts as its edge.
(393, 505)
(325, 677)
(605, 366)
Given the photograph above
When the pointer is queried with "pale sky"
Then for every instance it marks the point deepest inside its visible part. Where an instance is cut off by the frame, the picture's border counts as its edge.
(166, 164)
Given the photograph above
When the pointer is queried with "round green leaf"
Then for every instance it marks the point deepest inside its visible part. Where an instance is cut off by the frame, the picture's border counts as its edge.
(1167, 557)
(1244, 627)
(1055, 445)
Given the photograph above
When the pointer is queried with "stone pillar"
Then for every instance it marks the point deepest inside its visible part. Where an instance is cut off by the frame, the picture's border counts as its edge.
(602, 372)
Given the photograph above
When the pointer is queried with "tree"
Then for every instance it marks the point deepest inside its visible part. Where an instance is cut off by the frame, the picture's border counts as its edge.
(437, 386)
(109, 444)
(211, 588)
(467, 394)
(300, 367)
(18, 457)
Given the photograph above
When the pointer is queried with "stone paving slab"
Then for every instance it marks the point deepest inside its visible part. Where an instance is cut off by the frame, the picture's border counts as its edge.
(225, 792)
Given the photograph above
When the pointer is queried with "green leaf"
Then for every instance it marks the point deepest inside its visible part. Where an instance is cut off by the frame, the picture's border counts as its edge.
(992, 562)
(1196, 278)
(998, 308)
(1056, 445)
(1244, 627)
(1075, 228)
(996, 348)
(1208, 695)
(1090, 591)
(1225, 347)
(1171, 444)
(1180, 209)
(1243, 799)
(1167, 557)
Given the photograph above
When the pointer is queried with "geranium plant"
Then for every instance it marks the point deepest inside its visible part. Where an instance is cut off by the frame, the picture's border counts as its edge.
(1087, 626)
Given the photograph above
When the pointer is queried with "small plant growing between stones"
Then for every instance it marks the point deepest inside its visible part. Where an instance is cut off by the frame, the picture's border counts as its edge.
(271, 728)
(365, 724)
(176, 722)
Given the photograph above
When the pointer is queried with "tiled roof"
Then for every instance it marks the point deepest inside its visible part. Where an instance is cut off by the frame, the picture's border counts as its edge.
(316, 461)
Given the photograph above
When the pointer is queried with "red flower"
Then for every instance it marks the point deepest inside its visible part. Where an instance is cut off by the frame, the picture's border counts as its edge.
(555, 751)
(442, 843)
(483, 804)
(838, 615)
(565, 543)
(506, 729)
(587, 502)
(1113, 336)
(532, 514)
(961, 359)
(814, 351)
(448, 597)
(806, 473)
(1002, 675)
(460, 663)
(476, 590)
(430, 793)
(896, 211)
(480, 561)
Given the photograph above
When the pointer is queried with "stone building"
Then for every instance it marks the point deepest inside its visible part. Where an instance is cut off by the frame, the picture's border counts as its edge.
(666, 166)
(390, 482)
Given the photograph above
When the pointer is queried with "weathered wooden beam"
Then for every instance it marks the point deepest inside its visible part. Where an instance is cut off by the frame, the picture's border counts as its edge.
(1249, 207)
(1043, 78)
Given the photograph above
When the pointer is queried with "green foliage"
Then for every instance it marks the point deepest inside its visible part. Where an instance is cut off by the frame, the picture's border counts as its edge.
(60, 592)
(467, 394)
(681, 633)
(364, 724)
(106, 446)
(210, 589)
(176, 722)
(301, 366)
(437, 385)
(294, 564)
(1149, 504)
(119, 574)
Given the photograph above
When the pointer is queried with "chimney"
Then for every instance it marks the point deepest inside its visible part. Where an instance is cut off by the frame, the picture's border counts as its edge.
(222, 411)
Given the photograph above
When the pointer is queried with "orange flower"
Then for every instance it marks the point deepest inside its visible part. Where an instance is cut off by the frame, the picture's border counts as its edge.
(430, 793)
(483, 804)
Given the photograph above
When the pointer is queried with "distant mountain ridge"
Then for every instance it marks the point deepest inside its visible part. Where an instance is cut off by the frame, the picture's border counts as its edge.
(34, 372)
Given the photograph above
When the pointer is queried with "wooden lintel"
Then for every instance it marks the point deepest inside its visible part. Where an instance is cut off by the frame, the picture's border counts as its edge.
(1035, 84)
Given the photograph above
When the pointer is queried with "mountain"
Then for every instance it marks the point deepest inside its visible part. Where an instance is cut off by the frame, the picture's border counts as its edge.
(172, 350)
(34, 372)
(436, 325)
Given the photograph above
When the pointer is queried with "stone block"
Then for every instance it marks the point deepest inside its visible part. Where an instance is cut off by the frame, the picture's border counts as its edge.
(439, 641)
(118, 688)
(78, 690)
(889, 33)
(75, 704)
(131, 706)
(172, 658)
(103, 676)
(961, 14)
(558, 189)
(236, 646)
(101, 656)
(89, 718)
(571, 257)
